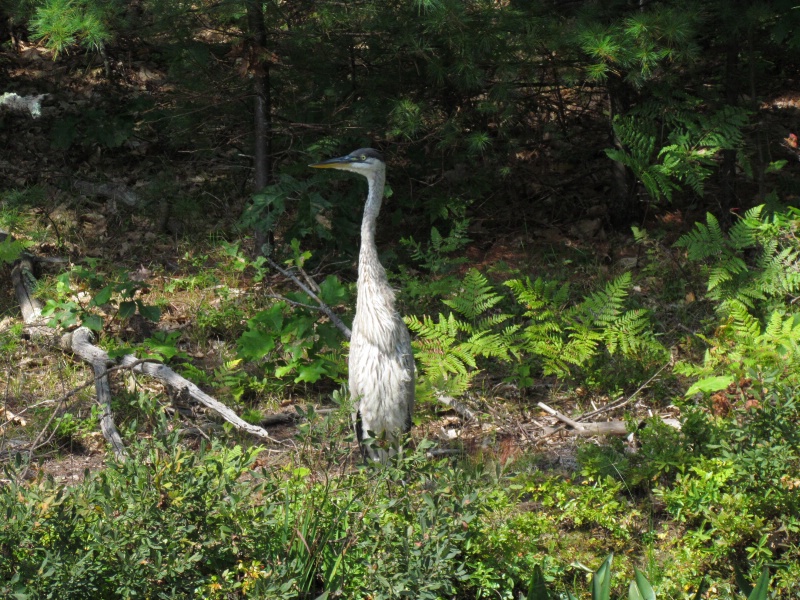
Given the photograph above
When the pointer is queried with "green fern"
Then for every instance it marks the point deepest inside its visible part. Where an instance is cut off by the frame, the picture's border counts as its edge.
(447, 349)
(550, 337)
(565, 339)
(475, 297)
(769, 275)
(668, 143)
(753, 273)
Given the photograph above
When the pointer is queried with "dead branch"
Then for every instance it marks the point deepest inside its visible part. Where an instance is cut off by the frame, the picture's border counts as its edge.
(322, 306)
(574, 424)
(24, 282)
(625, 401)
(591, 428)
(80, 343)
(614, 427)
(165, 374)
(457, 406)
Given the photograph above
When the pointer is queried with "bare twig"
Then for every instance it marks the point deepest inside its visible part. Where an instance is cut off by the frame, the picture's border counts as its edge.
(311, 283)
(624, 402)
(322, 306)
(559, 416)
(294, 302)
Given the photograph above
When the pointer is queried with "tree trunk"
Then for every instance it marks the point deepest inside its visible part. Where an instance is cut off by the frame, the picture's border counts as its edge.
(727, 170)
(624, 190)
(260, 65)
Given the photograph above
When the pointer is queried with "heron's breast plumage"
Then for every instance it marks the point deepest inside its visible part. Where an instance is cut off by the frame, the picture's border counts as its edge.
(381, 365)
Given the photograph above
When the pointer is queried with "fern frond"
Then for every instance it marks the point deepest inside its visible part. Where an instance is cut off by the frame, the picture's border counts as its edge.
(603, 307)
(745, 325)
(704, 241)
(627, 334)
(475, 297)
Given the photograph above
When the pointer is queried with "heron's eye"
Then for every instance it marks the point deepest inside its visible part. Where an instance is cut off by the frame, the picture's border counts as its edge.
(363, 157)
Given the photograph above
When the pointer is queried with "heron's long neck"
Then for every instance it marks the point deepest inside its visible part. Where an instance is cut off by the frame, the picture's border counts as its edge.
(368, 255)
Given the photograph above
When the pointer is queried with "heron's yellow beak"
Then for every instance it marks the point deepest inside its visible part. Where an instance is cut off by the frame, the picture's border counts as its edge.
(334, 163)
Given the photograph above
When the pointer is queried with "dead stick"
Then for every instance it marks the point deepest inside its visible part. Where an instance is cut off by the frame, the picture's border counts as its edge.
(620, 403)
(80, 342)
(322, 306)
(559, 416)
(170, 377)
(457, 406)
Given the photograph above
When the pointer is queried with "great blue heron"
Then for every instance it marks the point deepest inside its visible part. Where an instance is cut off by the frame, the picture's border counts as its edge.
(381, 366)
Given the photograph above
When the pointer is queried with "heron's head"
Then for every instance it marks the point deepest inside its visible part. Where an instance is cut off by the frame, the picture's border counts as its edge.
(365, 161)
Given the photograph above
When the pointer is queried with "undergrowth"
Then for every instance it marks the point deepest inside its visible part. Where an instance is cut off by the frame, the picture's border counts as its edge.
(712, 499)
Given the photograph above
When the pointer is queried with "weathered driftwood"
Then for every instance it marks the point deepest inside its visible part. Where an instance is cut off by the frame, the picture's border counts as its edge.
(457, 406)
(165, 374)
(24, 282)
(80, 343)
(600, 428)
(614, 427)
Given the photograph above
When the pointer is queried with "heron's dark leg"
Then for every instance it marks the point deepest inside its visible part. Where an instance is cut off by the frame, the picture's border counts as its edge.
(360, 436)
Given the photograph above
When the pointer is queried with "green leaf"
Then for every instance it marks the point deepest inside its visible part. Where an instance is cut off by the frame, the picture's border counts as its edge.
(537, 589)
(776, 166)
(148, 311)
(762, 586)
(331, 291)
(640, 588)
(164, 344)
(710, 385)
(701, 589)
(255, 344)
(93, 322)
(127, 309)
(284, 370)
(11, 249)
(310, 373)
(102, 297)
(601, 581)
